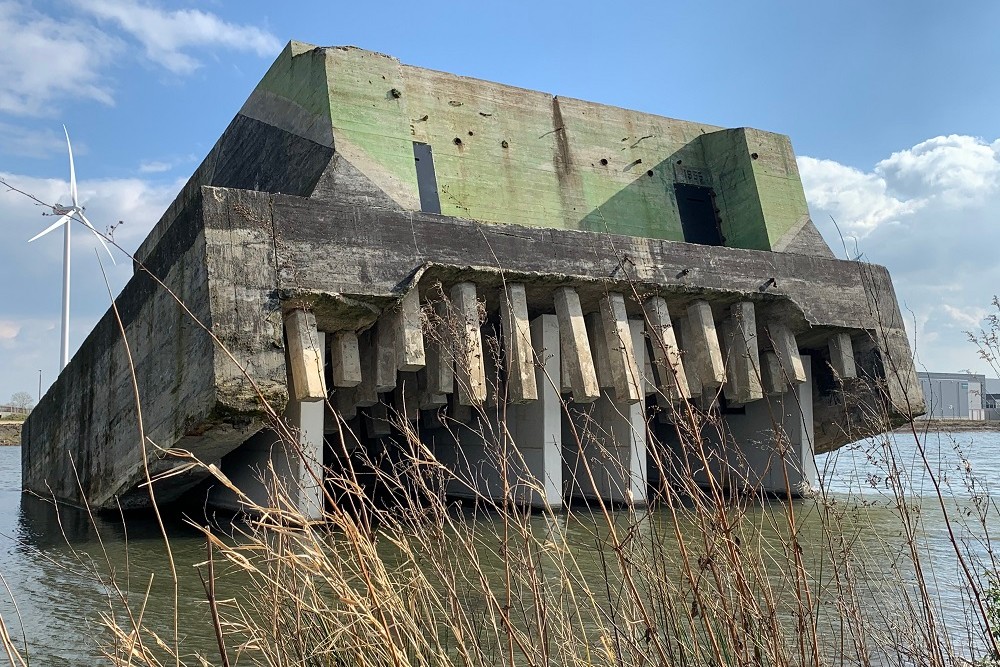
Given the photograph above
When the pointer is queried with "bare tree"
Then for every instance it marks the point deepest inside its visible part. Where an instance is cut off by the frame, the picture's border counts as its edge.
(23, 400)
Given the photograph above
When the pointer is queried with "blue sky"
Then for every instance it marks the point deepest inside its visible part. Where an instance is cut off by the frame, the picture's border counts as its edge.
(891, 107)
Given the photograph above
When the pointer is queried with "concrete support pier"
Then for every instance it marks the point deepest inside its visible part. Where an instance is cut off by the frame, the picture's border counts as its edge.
(267, 464)
(578, 367)
(768, 449)
(742, 355)
(604, 444)
(536, 426)
(703, 348)
(516, 449)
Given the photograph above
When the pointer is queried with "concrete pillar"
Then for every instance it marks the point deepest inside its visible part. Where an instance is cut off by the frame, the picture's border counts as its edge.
(599, 348)
(406, 397)
(648, 376)
(305, 356)
(345, 402)
(787, 351)
(385, 354)
(377, 421)
(440, 355)
(521, 385)
(621, 352)
(704, 345)
(410, 334)
(692, 364)
(772, 376)
(842, 355)
(366, 392)
(743, 356)
(267, 462)
(429, 399)
(536, 427)
(574, 345)
(345, 359)
(609, 460)
(666, 352)
(771, 441)
(470, 370)
(565, 383)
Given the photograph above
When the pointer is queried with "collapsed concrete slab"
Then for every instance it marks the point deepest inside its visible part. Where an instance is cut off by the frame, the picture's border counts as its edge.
(352, 193)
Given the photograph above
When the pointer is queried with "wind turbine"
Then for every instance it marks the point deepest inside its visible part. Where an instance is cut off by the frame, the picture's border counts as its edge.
(66, 215)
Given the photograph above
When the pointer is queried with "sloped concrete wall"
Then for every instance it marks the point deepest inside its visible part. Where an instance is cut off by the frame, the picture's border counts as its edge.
(82, 443)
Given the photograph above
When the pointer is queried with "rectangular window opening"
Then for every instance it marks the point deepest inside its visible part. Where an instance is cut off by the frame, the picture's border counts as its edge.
(699, 221)
(423, 158)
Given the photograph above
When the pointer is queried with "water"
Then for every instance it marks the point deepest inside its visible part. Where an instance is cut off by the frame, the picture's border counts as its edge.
(65, 570)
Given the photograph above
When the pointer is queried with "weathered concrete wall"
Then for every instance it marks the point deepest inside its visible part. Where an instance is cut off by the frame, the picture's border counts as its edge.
(347, 120)
(235, 256)
(86, 427)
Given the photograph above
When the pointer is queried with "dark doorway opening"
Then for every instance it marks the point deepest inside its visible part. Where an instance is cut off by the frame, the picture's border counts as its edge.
(427, 185)
(696, 206)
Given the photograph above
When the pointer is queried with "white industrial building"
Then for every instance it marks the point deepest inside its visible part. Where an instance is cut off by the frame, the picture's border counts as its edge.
(957, 395)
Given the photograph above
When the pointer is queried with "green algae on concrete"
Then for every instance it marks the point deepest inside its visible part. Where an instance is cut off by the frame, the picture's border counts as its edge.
(508, 155)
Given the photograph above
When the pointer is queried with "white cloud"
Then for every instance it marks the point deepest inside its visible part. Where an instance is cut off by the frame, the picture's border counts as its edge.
(931, 215)
(859, 201)
(959, 168)
(43, 60)
(154, 167)
(167, 36)
(9, 330)
(47, 59)
(22, 141)
(971, 318)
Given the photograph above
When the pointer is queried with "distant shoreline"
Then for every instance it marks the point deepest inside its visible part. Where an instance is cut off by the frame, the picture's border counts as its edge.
(10, 434)
(939, 425)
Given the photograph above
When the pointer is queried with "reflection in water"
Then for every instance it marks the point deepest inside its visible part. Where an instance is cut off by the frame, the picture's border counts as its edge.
(66, 568)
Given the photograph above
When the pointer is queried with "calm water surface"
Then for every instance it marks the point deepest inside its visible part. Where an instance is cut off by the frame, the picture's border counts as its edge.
(57, 567)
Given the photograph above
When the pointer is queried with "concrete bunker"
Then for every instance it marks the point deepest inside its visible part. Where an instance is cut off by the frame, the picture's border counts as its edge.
(534, 288)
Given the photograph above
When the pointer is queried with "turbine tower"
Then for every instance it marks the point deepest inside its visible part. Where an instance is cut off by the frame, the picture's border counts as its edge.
(66, 215)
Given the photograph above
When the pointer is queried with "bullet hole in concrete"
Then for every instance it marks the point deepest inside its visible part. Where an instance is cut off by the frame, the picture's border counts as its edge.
(649, 173)
(604, 162)
(504, 144)
(395, 93)
(458, 141)
(754, 156)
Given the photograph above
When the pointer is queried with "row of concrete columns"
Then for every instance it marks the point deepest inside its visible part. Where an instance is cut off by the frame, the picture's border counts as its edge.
(603, 361)
(596, 351)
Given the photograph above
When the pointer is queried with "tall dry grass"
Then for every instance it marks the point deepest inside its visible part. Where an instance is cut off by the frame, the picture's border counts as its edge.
(712, 573)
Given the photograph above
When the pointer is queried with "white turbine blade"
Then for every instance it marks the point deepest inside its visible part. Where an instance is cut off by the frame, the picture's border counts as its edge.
(72, 170)
(99, 237)
(48, 229)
